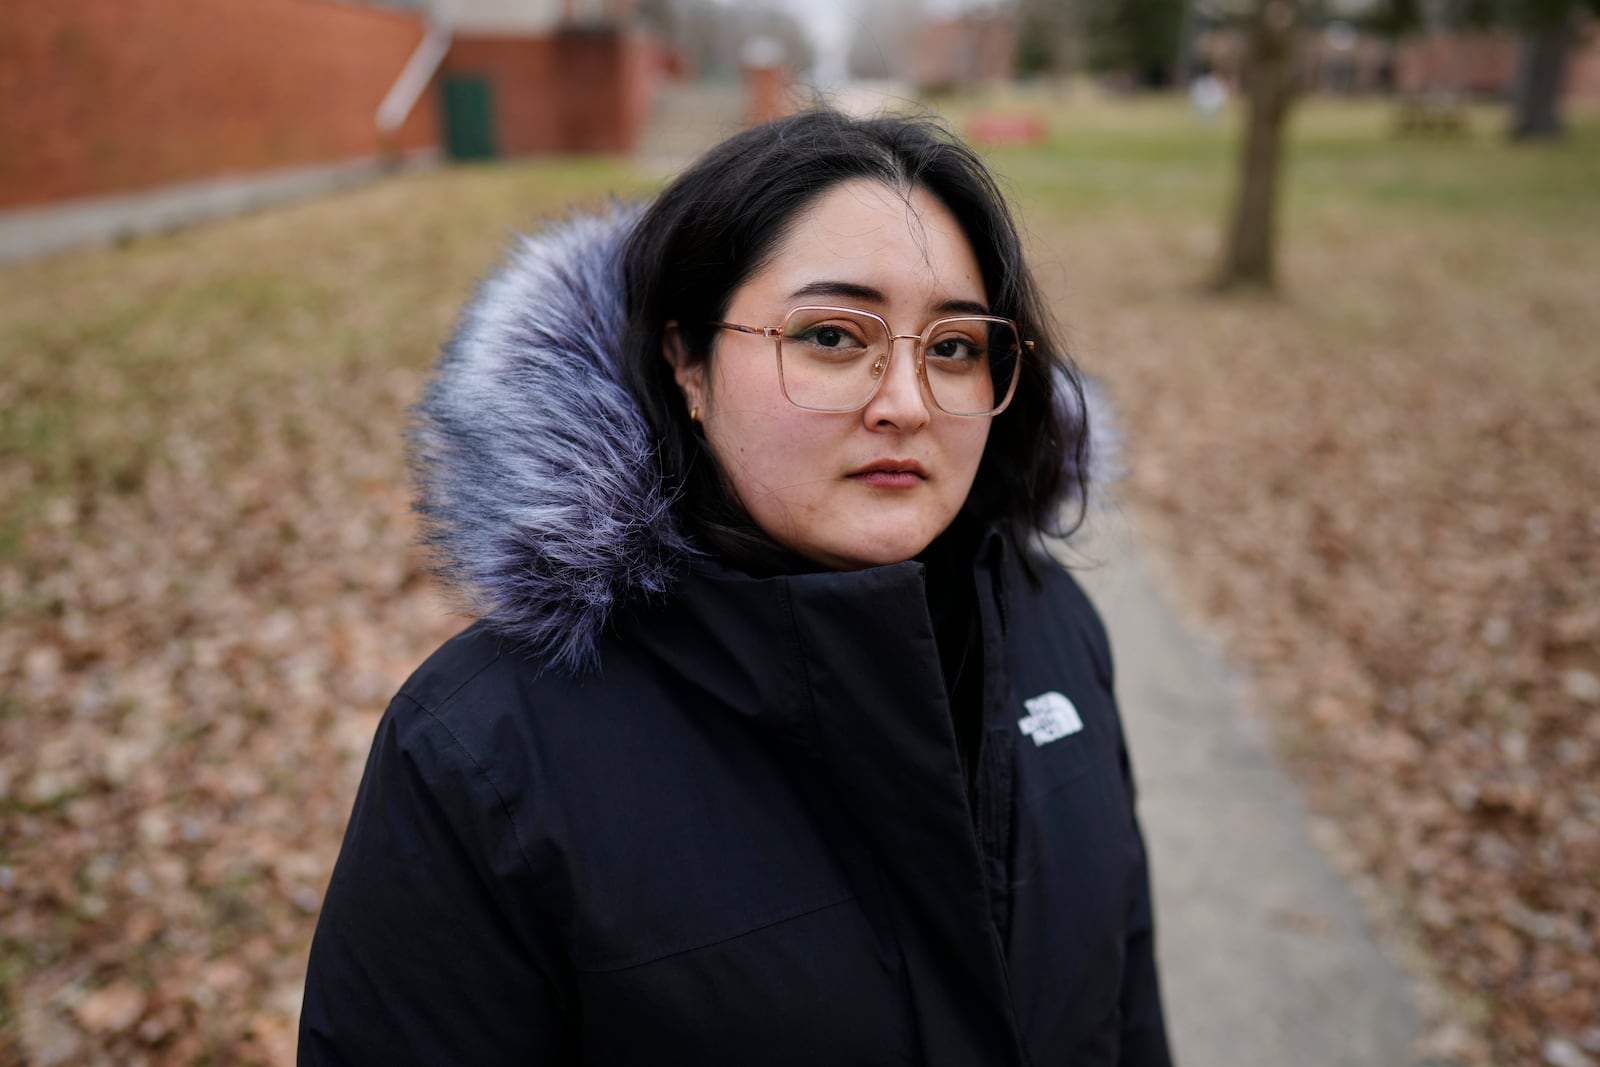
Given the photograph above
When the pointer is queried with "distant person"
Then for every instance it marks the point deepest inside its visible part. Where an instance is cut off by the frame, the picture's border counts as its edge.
(1208, 95)
(780, 739)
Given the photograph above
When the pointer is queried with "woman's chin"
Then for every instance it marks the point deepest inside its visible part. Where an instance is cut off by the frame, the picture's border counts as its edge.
(867, 552)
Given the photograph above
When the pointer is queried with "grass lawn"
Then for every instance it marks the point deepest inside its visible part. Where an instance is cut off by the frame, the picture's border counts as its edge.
(1380, 486)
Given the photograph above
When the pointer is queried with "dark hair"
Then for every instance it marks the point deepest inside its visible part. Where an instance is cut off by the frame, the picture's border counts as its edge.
(717, 223)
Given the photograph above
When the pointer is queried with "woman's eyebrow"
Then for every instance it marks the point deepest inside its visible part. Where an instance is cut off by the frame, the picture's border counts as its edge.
(851, 290)
(962, 307)
(856, 291)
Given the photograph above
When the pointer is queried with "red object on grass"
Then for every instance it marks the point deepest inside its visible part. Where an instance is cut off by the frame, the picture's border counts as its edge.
(998, 128)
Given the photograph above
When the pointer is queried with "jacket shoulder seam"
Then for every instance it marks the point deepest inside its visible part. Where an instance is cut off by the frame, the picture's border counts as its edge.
(561, 999)
(477, 766)
(430, 707)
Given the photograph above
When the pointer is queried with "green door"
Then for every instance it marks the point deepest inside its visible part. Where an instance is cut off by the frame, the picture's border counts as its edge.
(469, 117)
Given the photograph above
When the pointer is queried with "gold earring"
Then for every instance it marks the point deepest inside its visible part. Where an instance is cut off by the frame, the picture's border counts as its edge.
(694, 413)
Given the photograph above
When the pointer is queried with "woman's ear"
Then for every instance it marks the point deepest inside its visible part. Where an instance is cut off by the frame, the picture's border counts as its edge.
(689, 373)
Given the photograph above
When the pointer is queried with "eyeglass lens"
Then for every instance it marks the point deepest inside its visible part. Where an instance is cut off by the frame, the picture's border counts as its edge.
(831, 360)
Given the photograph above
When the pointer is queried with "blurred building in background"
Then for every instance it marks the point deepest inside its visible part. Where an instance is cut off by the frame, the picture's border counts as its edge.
(110, 96)
(528, 76)
(118, 96)
(1483, 63)
(1340, 58)
(965, 51)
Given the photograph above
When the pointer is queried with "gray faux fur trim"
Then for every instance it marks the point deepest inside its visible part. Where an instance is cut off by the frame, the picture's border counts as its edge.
(535, 471)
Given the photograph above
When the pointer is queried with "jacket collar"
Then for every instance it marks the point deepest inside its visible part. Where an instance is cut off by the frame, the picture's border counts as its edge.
(772, 649)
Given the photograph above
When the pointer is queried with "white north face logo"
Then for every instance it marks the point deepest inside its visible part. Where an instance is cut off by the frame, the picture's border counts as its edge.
(1050, 717)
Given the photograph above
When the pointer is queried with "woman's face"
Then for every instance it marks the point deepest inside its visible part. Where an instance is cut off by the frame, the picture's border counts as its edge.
(862, 488)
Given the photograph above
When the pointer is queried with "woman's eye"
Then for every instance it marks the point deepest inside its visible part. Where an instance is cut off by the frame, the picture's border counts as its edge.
(831, 337)
(954, 349)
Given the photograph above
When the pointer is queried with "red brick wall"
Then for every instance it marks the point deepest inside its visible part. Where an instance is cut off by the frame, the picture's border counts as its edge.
(765, 94)
(574, 91)
(965, 51)
(1583, 79)
(1487, 63)
(598, 71)
(647, 64)
(103, 96)
(1482, 63)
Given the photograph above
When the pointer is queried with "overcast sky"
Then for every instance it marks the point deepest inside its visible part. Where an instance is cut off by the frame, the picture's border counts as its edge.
(829, 22)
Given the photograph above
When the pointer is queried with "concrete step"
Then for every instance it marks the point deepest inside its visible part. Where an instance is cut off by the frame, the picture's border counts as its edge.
(685, 120)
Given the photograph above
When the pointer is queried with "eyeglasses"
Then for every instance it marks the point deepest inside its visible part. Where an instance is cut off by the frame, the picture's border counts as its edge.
(836, 359)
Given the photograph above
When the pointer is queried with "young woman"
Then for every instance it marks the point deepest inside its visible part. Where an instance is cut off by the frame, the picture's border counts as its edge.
(778, 739)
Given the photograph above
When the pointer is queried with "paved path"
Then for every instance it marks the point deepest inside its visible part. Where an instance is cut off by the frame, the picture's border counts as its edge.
(1265, 958)
(29, 232)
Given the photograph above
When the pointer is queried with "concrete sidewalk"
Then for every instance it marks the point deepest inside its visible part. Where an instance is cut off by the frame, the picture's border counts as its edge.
(1266, 960)
(27, 233)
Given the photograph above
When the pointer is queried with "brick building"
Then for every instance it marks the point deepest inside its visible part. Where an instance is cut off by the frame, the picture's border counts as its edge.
(1480, 64)
(109, 96)
(965, 51)
(1485, 64)
(546, 76)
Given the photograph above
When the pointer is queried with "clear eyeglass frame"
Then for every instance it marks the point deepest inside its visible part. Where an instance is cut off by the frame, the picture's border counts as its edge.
(881, 371)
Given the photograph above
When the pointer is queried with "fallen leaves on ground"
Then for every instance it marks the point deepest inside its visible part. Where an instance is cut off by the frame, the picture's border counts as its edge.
(210, 592)
(1383, 489)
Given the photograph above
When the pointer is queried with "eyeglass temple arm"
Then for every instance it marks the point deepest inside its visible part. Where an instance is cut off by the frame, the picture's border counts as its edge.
(760, 331)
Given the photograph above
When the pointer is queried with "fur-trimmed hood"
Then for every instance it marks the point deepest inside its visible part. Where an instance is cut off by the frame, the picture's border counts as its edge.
(535, 470)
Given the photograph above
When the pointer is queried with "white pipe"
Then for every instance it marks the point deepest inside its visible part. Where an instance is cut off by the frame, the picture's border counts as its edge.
(413, 80)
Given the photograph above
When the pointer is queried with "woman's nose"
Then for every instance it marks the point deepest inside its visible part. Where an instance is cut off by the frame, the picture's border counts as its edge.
(900, 402)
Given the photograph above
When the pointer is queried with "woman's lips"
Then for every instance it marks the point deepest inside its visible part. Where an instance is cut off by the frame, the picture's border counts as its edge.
(891, 474)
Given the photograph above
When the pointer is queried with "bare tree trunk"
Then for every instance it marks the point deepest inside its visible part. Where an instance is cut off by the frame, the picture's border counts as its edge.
(1541, 82)
(1269, 82)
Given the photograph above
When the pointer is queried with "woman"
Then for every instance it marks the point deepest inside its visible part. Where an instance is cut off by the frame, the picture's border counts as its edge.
(778, 740)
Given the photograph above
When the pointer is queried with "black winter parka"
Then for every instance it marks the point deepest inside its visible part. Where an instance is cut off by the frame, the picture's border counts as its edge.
(748, 841)
(739, 831)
